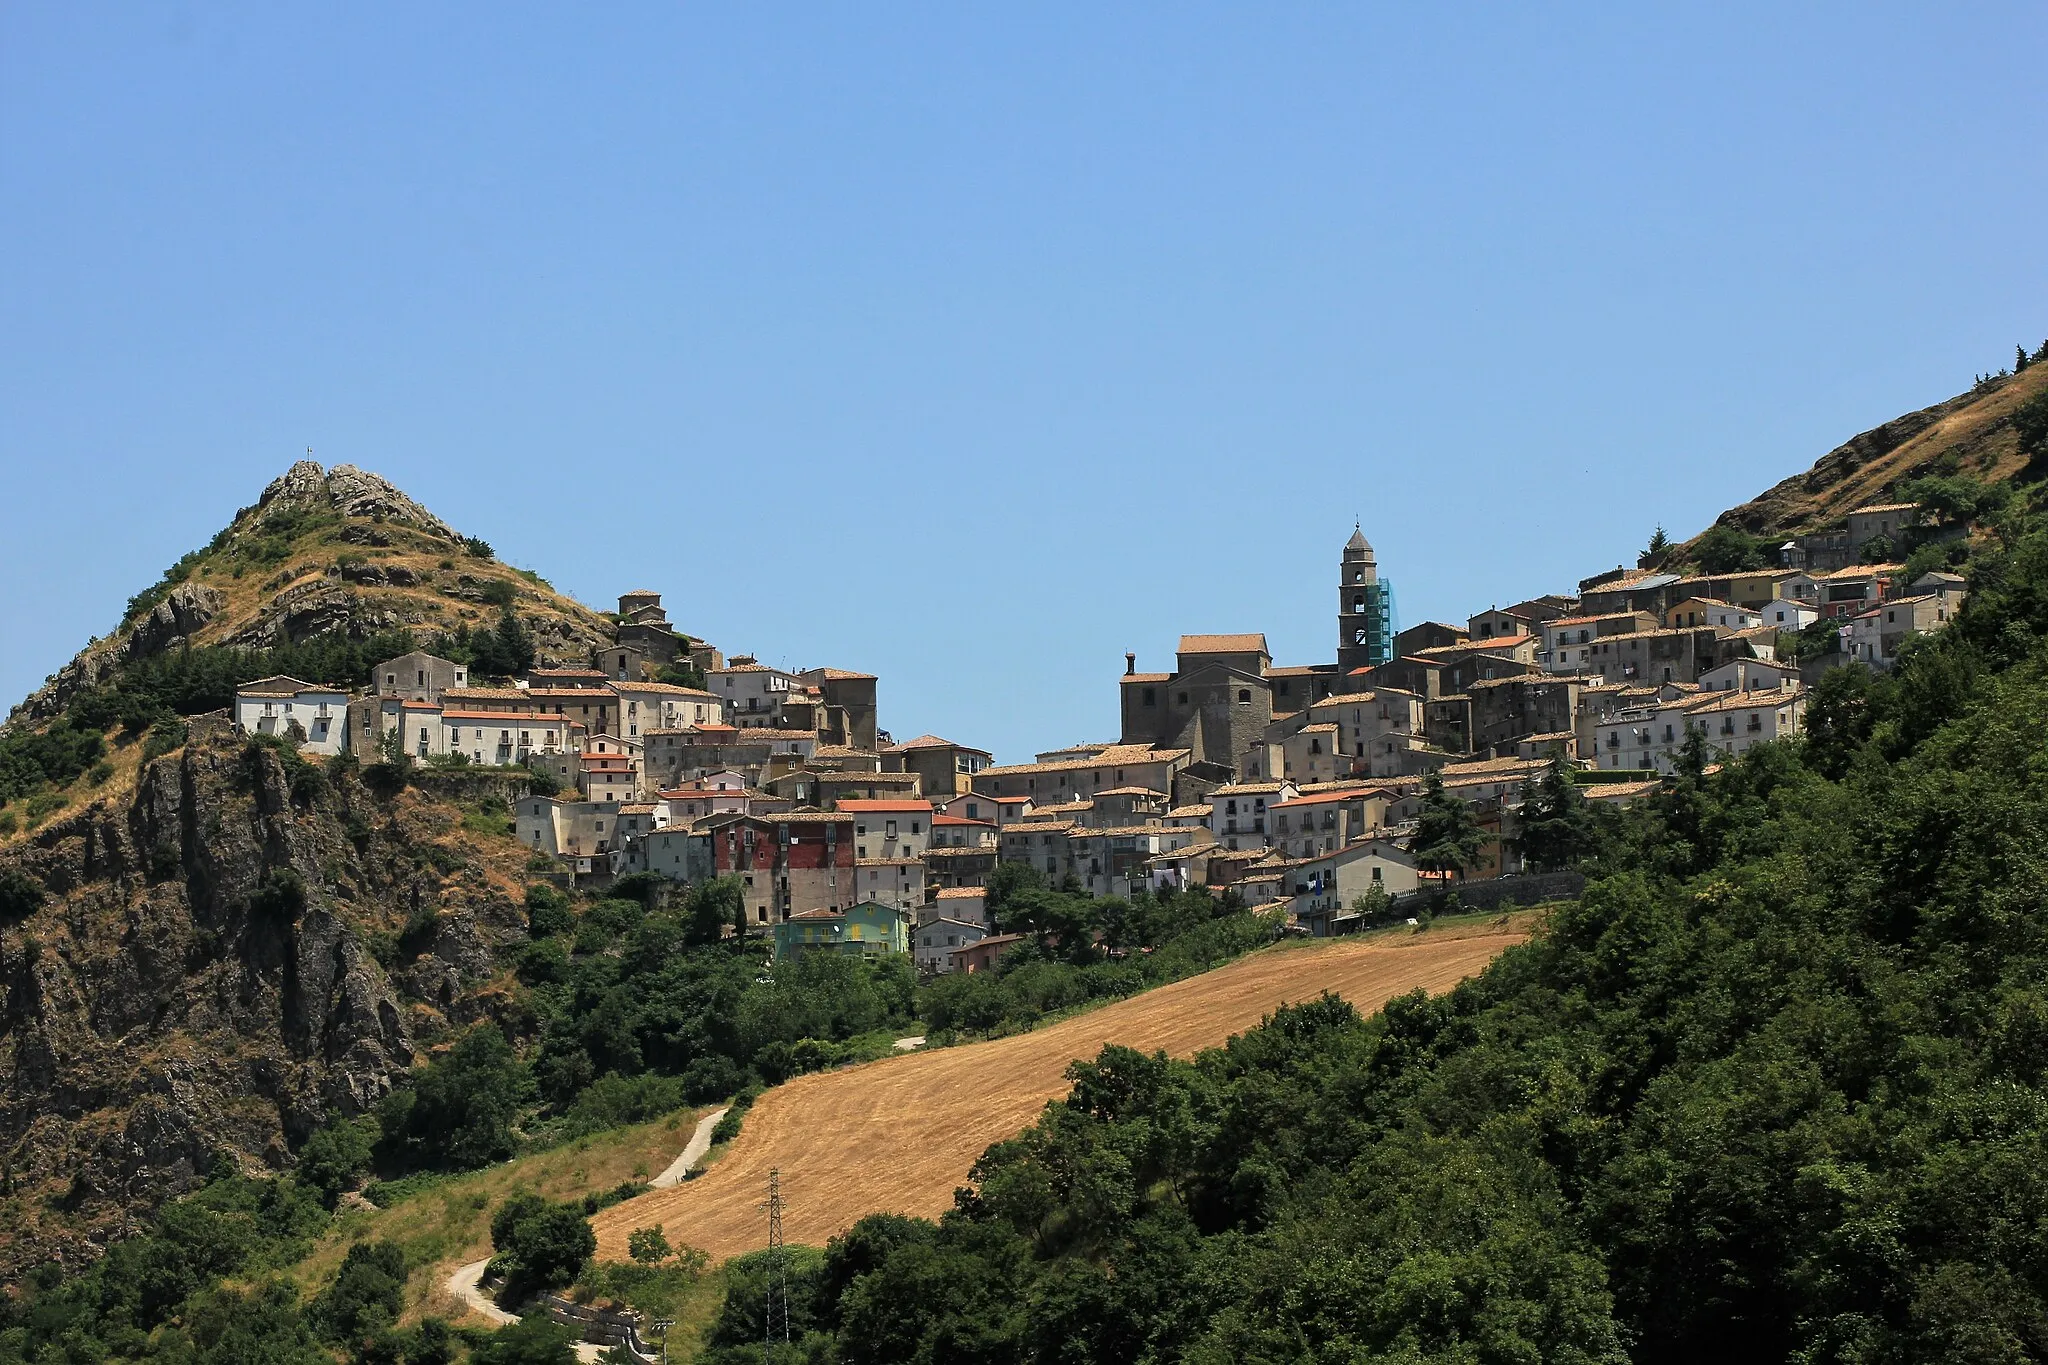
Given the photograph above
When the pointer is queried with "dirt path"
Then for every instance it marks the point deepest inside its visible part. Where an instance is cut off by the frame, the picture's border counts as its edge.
(465, 1285)
(900, 1134)
(693, 1152)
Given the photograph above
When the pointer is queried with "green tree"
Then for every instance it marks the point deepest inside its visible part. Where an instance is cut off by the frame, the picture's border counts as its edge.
(515, 644)
(336, 1154)
(459, 1111)
(367, 1292)
(1447, 836)
(1653, 553)
(1557, 830)
(540, 1244)
(533, 1340)
(648, 1246)
(1728, 549)
(548, 911)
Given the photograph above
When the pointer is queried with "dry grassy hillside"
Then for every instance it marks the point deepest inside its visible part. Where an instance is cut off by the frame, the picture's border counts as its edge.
(1975, 429)
(900, 1135)
(326, 552)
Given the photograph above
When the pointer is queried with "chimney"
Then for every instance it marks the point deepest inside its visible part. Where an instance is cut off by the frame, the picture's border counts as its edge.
(1130, 662)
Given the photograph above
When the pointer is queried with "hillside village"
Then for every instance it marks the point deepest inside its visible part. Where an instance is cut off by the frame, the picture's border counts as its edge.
(1295, 787)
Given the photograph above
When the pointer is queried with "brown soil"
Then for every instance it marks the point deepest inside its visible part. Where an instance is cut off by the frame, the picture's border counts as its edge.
(899, 1135)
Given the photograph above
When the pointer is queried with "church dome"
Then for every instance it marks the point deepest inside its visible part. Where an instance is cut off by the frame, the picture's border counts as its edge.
(1358, 544)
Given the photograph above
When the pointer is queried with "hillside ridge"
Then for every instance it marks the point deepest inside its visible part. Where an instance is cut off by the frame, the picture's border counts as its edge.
(324, 552)
(1972, 431)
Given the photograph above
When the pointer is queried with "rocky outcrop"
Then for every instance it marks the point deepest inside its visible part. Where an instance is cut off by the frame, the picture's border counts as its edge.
(213, 970)
(174, 620)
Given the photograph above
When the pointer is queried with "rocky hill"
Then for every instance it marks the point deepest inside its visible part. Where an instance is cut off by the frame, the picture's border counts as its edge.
(211, 965)
(325, 552)
(1973, 433)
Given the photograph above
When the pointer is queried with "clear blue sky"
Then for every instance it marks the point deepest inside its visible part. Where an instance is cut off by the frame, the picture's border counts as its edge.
(972, 347)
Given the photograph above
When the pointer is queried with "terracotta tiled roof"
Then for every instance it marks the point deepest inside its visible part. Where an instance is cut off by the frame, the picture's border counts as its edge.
(1222, 644)
(278, 685)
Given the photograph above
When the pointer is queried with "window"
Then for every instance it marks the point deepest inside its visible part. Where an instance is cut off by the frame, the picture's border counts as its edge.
(1150, 697)
(1244, 696)
(1183, 699)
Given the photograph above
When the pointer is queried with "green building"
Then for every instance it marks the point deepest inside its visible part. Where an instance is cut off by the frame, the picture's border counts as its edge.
(870, 930)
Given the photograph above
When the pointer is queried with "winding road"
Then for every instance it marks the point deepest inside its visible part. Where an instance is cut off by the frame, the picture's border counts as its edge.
(465, 1285)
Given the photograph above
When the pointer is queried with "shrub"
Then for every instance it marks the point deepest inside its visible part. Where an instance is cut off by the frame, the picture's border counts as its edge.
(336, 1155)
(20, 895)
(477, 547)
(540, 1244)
(547, 911)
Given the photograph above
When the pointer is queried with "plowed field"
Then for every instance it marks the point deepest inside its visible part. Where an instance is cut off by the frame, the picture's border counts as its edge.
(900, 1134)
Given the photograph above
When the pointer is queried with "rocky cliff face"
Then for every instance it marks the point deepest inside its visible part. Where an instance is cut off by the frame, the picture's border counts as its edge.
(218, 964)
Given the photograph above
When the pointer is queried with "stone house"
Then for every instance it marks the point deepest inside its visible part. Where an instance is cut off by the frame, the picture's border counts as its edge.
(1324, 821)
(1238, 812)
(1505, 710)
(583, 831)
(787, 862)
(952, 867)
(1429, 635)
(1313, 754)
(647, 707)
(1750, 675)
(752, 691)
(852, 693)
(944, 769)
(935, 943)
(889, 829)
(1694, 612)
(968, 904)
(494, 738)
(837, 789)
(1322, 889)
(983, 956)
(1373, 728)
(954, 831)
(1885, 520)
(1850, 592)
(418, 676)
(1119, 765)
(1565, 639)
(1875, 636)
(1041, 843)
(978, 807)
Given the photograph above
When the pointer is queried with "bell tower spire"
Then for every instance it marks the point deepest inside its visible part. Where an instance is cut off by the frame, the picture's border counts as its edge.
(1365, 607)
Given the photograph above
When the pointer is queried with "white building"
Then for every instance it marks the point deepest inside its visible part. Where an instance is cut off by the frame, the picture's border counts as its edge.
(498, 739)
(752, 692)
(1750, 675)
(1648, 738)
(313, 714)
(1785, 613)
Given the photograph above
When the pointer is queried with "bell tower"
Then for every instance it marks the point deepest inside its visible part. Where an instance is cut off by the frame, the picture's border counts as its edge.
(1365, 608)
